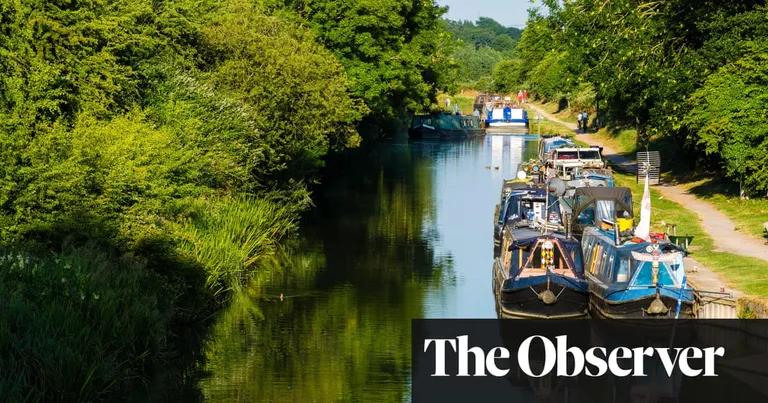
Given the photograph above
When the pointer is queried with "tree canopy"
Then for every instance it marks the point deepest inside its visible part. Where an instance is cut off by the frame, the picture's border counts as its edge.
(481, 46)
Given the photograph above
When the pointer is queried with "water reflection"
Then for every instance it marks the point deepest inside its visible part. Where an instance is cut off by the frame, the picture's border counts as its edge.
(401, 232)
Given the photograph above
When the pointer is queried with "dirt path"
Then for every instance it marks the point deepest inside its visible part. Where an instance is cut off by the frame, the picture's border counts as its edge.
(719, 227)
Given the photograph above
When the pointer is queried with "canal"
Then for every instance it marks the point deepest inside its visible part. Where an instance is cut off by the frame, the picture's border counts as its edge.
(403, 232)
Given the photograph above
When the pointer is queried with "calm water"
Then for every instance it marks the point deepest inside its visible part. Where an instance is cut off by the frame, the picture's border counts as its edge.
(402, 232)
(405, 232)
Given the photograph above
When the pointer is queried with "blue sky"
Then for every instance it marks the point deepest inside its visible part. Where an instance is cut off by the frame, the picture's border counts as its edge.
(511, 13)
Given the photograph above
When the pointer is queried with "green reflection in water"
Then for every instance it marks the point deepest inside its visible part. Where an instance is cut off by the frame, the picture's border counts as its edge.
(351, 285)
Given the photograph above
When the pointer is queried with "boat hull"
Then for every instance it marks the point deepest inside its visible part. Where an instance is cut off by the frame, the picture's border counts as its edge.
(519, 298)
(508, 130)
(636, 308)
(426, 132)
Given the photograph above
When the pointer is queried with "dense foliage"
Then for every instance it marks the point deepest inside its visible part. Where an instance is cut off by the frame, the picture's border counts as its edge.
(394, 52)
(481, 46)
(684, 71)
(153, 154)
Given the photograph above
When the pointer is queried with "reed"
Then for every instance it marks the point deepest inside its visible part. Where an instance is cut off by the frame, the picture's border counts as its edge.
(229, 237)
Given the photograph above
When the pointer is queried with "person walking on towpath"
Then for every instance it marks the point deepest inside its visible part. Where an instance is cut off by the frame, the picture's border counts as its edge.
(447, 103)
(520, 97)
(578, 121)
(525, 96)
(585, 121)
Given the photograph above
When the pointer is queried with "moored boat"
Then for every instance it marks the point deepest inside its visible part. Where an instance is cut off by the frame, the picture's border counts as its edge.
(635, 280)
(539, 276)
(521, 200)
(567, 162)
(547, 144)
(505, 117)
(445, 125)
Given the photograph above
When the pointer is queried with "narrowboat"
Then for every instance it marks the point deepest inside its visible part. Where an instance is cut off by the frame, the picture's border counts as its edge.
(522, 201)
(445, 125)
(635, 279)
(547, 144)
(585, 178)
(567, 162)
(505, 117)
(539, 276)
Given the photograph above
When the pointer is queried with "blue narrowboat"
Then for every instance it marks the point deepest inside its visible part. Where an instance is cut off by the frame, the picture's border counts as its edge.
(539, 276)
(522, 203)
(508, 115)
(635, 280)
(503, 116)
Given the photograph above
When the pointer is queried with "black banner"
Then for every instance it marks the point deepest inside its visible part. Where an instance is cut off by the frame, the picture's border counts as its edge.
(698, 361)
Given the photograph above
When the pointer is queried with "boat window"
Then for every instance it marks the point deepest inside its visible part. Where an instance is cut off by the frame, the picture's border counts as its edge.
(595, 258)
(644, 276)
(574, 249)
(589, 155)
(602, 263)
(605, 210)
(567, 155)
(588, 254)
(587, 216)
(512, 208)
(608, 268)
(623, 275)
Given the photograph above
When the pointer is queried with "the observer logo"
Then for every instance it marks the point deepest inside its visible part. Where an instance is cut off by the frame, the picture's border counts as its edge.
(572, 361)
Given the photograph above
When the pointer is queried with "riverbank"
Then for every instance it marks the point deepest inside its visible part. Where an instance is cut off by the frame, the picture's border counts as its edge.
(742, 273)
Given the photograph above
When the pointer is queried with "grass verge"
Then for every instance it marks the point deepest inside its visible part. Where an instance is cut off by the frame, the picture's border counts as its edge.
(465, 102)
(749, 275)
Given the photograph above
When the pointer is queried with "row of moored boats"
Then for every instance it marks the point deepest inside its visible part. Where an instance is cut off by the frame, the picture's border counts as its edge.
(566, 245)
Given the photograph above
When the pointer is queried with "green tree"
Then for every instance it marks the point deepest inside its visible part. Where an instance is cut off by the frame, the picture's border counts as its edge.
(395, 52)
(728, 114)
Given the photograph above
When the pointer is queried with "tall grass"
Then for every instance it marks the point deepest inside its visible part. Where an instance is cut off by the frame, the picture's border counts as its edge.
(77, 326)
(229, 237)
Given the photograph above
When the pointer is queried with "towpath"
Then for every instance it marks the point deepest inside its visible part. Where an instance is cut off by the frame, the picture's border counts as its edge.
(719, 227)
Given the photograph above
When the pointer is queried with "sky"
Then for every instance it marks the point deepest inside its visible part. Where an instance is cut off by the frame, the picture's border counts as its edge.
(510, 13)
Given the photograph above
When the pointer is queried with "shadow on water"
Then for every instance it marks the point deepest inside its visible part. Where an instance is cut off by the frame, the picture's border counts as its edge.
(399, 232)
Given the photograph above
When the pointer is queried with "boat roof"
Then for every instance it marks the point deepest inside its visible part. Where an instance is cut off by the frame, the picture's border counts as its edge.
(556, 139)
(578, 148)
(621, 195)
(516, 184)
(525, 236)
(627, 248)
(605, 193)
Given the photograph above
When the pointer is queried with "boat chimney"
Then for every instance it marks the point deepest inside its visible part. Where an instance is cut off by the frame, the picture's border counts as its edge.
(568, 226)
(616, 233)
